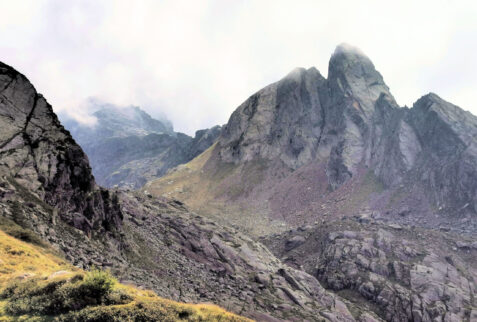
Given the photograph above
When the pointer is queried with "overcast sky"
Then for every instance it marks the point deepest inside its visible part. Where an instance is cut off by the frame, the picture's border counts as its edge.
(196, 61)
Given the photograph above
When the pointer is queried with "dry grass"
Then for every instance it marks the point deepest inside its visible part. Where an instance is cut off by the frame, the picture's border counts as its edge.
(184, 180)
(18, 258)
(222, 192)
(37, 285)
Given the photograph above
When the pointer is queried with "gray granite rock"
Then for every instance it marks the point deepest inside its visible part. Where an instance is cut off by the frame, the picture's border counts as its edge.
(310, 139)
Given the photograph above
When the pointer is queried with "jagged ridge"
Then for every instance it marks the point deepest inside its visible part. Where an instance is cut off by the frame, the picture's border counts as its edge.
(315, 140)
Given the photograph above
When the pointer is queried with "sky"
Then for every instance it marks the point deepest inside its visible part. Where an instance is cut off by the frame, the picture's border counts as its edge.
(197, 61)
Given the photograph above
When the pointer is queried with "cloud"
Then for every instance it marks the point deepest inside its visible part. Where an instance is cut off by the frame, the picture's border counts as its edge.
(196, 61)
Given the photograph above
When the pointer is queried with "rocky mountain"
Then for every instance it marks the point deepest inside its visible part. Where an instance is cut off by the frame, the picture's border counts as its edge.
(307, 148)
(330, 250)
(127, 147)
(44, 159)
(48, 191)
(112, 121)
(374, 200)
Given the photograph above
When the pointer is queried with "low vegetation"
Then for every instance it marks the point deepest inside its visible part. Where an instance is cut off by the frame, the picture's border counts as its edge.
(13, 229)
(37, 285)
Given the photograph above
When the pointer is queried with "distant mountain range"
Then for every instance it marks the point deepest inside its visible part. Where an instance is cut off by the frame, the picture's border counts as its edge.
(127, 147)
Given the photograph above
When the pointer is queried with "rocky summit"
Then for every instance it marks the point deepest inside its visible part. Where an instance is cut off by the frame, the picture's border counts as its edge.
(320, 200)
(308, 148)
(127, 147)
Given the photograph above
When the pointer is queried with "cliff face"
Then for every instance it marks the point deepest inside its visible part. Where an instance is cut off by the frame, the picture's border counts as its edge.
(341, 146)
(304, 118)
(37, 153)
(127, 147)
(282, 121)
(447, 163)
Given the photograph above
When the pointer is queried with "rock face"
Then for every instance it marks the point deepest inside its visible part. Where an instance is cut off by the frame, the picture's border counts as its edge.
(312, 141)
(287, 116)
(42, 157)
(127, 147)
(400, 273)
(304, 118)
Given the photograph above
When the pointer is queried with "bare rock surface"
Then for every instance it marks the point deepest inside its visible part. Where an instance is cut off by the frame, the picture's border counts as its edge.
(306, 147)
(43, 158)
(398, 272)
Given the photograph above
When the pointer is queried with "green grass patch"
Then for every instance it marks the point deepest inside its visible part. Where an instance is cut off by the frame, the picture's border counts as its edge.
(43, 296)
(13, 229)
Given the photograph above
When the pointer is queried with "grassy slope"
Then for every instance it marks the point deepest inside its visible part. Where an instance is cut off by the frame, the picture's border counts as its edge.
(37, 285)
(222, 192)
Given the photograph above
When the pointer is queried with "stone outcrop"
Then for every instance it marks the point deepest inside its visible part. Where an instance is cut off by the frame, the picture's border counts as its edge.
(400, 273)
(42, 157)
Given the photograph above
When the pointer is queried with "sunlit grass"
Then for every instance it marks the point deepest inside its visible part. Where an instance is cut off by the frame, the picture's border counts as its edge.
(20, 259)
(37, 285)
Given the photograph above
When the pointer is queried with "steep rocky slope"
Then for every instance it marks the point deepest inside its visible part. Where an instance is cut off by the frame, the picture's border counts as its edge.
(127, 147)
(306, 148)
(37, 285)
(44, 159)
(46, 186)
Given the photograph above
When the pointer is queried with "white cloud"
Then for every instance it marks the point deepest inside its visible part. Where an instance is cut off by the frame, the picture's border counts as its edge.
(196, 61)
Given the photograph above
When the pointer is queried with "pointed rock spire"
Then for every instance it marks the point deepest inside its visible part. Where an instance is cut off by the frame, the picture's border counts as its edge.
(353, 74)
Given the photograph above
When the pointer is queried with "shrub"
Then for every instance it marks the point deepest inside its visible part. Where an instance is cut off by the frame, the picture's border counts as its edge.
(97, 284)
(61, 296)
(13, 229)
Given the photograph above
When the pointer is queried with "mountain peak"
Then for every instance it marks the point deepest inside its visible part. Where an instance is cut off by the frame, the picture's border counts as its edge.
(350, 60)
(300, 73)
(429, 99)
(126, 121)
(348, 49)
(352, 73)
(295, 73)
(346, 56)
